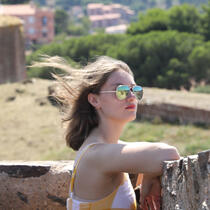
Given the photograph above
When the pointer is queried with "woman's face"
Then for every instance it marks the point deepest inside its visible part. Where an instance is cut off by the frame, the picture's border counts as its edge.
(113, 108)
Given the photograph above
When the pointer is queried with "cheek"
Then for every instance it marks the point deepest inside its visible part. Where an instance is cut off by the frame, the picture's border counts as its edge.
(111, 104)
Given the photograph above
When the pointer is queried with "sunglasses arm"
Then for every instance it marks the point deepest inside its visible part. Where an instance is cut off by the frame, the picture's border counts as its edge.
(108, 91)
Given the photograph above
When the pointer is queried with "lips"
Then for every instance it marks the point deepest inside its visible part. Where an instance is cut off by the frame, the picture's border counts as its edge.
(132, 106)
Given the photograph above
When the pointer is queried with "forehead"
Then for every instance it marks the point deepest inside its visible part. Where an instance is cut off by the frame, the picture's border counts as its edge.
(120, 77)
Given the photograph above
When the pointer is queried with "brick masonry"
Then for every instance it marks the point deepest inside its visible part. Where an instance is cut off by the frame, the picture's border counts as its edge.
(12, 57)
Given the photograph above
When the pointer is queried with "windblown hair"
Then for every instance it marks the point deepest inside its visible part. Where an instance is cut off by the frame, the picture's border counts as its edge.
(81, 117)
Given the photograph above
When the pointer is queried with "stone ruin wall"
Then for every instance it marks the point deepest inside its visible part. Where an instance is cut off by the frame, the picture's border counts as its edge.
(45, 185)
(12, 57)
(186, 183)
(174, 113)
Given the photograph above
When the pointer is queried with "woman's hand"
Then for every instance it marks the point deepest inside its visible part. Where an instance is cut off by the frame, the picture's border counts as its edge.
(150, 193)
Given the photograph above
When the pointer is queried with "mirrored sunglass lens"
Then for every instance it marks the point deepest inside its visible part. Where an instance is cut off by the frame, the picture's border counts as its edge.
(122, 92)
(138, 92)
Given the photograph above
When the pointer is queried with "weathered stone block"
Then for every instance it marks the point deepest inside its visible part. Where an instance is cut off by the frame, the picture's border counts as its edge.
(186, 183)
(34, 185)
(12, 55)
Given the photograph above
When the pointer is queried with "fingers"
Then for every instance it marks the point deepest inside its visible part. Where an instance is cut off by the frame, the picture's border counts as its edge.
(157, 201)
(151, 203)
(144, 191)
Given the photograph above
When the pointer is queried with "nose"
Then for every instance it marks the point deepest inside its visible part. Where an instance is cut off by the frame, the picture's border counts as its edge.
(131, 96)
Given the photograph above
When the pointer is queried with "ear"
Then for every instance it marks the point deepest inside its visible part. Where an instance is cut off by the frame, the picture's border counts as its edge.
(94, 100)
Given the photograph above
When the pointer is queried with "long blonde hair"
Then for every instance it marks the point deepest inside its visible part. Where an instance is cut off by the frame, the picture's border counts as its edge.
(81, 117)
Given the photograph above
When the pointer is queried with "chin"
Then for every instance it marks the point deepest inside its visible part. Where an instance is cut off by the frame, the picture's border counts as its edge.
(131, 118)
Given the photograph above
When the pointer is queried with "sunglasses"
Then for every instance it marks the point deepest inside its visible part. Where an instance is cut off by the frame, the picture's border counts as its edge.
(122, 91)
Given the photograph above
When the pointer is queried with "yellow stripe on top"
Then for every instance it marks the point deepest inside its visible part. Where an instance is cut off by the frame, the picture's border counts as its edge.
(75, 167)
(102, 204)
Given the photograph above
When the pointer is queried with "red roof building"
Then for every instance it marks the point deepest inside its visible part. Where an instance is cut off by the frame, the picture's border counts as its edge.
(38, 22)
(105, 16)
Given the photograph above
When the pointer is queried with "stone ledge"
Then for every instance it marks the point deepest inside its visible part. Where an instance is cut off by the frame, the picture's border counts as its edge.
(34, 185)
(45, 184)
(174, 113)
(186, 183)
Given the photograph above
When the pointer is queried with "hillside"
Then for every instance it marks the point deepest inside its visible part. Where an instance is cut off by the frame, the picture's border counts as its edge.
(30, 127)
(29, 124)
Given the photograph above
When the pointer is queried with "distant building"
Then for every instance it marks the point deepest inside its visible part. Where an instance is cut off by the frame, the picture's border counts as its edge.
(38, 22)
(103, 16)
(119, 29)
(103, 21)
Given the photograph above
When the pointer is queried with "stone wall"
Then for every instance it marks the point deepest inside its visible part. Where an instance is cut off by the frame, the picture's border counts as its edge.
(174, 113)
(175, 106)
(186, 183)
(44, 185)
(12, 57)
(34, 185)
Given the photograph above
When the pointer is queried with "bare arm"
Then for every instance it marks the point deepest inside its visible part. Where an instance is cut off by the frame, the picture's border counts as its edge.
(138, 157)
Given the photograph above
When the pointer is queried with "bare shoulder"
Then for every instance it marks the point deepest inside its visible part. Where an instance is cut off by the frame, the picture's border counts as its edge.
(134, 157)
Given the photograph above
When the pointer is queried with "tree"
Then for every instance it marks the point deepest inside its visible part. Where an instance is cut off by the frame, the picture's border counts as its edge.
(205, 21)
(184, 18)
(199, 61)
(61, 21)
(159, 58)
(154, 19)
(79, 29)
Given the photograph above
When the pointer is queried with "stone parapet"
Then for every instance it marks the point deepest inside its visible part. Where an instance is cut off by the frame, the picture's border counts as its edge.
(12, 55)
(175, 106)
(174, 113)
(34, 185)
(186, 183)
(44, 185)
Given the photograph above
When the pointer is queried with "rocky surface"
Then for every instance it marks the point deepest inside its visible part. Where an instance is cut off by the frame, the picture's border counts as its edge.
(34, 185)
(186, 183)
(12, 58)
(45, 185)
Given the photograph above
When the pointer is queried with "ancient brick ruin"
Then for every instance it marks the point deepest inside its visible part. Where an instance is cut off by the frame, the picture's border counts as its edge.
(12, 57)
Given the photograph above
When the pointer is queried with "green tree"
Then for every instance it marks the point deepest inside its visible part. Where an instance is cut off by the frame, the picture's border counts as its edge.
(61, 21)
(159, 58)
(81, 28)
(184, 18)
(205, 21)
(154, 19)
(199, 61)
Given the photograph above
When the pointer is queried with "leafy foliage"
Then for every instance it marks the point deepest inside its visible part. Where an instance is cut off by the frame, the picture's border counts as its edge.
(165, 49)
(61, 21)
(154, 19)
(184, 18)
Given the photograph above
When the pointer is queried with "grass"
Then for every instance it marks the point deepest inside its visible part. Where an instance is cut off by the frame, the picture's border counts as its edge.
(189, 139)
(202, 89)
(30, 131)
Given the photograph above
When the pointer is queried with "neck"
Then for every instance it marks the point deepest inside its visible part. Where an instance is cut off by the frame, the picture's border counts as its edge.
(109, 132)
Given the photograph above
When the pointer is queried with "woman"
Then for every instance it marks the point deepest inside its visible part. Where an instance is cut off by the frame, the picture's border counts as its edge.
(101, 99)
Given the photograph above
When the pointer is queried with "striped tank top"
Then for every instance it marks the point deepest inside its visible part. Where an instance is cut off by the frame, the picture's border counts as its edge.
(122, 198)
